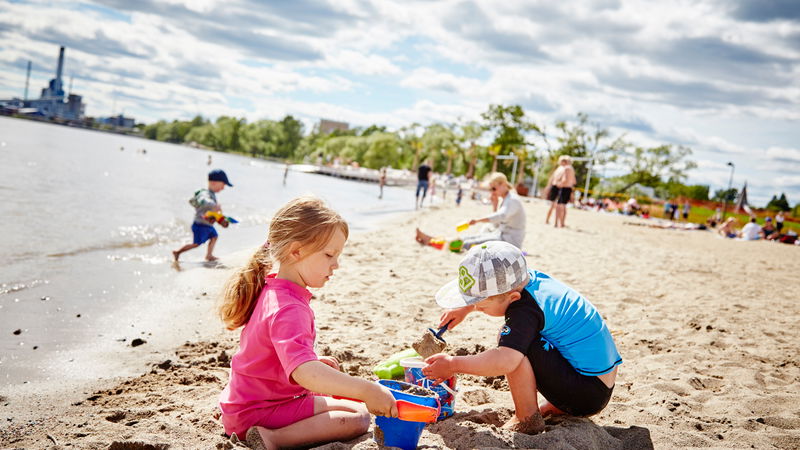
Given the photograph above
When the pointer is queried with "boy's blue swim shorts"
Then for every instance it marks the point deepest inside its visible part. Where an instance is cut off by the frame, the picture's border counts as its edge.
(202, 233)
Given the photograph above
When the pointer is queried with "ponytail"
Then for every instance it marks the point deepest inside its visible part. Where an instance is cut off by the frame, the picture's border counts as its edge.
(243, 288)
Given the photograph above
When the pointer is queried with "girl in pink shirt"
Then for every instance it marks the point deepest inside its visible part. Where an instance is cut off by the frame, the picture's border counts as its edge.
(276, 391)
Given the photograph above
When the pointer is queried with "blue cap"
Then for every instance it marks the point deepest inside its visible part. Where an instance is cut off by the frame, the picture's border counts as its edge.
(219, 175)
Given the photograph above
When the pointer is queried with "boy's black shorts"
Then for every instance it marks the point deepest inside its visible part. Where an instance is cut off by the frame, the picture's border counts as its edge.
(563, 386)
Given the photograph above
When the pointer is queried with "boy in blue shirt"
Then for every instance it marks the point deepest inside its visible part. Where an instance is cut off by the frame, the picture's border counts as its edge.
(553, 341)
(205, 201)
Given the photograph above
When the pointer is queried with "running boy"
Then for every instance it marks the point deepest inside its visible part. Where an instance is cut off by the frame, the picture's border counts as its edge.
(204, 201)
(553, 341)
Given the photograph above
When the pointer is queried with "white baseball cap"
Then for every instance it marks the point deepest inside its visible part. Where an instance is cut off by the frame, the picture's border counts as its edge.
(491, 268)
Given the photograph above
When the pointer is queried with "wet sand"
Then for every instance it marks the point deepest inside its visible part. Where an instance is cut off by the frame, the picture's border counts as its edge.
(707, 328)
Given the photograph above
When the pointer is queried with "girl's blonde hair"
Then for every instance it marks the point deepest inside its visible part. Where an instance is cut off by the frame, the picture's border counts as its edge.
(498, 177)
(306, 220)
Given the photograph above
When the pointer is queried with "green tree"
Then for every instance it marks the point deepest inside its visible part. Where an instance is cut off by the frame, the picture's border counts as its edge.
(383, 150)
(227, 134)
(584, 139)
(650, 166)
(468, 135)
(509, 125)
(779, 204)
(291, 135)
(722, 195)
(439, 140)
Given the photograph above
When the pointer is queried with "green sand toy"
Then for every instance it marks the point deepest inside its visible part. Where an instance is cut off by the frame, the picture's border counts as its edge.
(391, 368)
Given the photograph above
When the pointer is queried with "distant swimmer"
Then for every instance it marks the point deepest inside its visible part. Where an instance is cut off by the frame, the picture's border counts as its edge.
(121, 148)
(209, 160)
(204, 201)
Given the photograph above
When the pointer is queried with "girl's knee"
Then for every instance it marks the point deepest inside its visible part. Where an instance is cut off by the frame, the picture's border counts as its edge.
(357, 422)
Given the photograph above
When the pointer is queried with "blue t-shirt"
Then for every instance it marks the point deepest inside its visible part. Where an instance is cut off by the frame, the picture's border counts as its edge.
(550, 313)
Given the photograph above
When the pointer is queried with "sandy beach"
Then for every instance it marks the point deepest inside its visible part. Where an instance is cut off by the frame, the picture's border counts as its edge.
(707, 327)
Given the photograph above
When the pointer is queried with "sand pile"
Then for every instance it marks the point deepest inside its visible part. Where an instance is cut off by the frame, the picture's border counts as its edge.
(708, 329)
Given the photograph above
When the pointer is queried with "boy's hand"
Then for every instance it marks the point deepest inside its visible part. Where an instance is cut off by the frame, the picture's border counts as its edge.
(439, 368)
(380, 401)
(456, 315)
(330, 361)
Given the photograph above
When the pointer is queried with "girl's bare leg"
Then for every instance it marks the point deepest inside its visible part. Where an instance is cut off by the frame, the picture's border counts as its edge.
(333, 420)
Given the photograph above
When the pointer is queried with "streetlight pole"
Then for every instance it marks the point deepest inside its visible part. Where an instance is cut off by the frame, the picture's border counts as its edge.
(727, 193)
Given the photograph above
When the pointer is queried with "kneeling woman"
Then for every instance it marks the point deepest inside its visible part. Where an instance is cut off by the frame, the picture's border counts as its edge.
(508, 216)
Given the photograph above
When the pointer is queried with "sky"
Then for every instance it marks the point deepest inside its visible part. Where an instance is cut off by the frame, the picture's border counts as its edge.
(719, 76)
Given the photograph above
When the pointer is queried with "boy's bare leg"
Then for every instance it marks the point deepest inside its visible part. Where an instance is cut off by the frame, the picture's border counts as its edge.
(177, 253)
(334, 420)
(210, 253)
(522, 383)
(423, 238)
(548, 409)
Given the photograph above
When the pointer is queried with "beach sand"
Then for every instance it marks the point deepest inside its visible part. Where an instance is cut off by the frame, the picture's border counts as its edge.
(707, 327)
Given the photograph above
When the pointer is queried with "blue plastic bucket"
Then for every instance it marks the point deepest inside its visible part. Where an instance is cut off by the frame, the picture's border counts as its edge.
(401, 433)
(413, 372)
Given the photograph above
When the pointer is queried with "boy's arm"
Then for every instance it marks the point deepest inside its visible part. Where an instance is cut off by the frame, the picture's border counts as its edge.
(497, 361)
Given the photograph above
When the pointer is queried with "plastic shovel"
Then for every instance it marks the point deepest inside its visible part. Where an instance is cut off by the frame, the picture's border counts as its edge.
(438, 334)
(462, 227)
(408, 411)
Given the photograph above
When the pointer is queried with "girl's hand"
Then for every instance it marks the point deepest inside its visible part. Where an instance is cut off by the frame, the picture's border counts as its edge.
(456, 315)
(380, 401)
(330, 361)
(472, 222)
(439, 368)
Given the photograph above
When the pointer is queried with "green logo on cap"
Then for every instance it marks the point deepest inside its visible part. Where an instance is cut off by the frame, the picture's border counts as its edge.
(465, 280)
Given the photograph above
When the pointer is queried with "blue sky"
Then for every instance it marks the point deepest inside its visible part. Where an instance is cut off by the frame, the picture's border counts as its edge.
(719, 76)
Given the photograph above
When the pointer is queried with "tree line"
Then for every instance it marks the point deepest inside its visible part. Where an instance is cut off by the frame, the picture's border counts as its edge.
(469, 148)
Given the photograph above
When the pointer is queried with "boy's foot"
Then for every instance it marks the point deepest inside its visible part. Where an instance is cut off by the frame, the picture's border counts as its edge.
(176, 255)
(256, 440)
(211, 258)
(533, 424)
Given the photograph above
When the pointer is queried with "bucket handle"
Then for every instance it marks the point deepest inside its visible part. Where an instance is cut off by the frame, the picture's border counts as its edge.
(408, 411)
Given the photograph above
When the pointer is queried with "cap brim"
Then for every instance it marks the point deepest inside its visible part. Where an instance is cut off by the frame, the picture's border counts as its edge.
(449, 296)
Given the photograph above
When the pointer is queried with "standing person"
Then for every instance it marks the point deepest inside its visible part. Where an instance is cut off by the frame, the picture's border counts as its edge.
(509, 217)
(687, 208)
(564, 180)
(424, 174)
(459, 194)
(278, 388)
(204, 201)
(779, 221)
(285, 173)
(382, 181)
(209, 160)
(553, 342)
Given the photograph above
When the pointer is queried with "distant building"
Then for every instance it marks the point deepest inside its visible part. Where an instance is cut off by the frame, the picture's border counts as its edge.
(50, 104)
(119, 121)
(328, 126)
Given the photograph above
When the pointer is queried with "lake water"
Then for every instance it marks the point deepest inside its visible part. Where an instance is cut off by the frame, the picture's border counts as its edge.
(89, 224)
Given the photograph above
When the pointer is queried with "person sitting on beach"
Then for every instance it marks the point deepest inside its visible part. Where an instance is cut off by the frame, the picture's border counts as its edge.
(277, 392)
(553, 342)
(509, 217)
(769, 232)
(726, 229)
(205, 201)
(751, 231)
